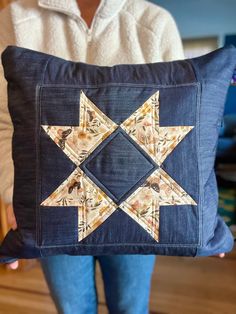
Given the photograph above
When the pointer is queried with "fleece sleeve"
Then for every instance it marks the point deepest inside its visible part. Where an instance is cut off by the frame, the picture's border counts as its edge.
(171, 42)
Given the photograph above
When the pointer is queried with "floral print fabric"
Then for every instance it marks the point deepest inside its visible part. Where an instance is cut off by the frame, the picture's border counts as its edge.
(94, 206)
(78, 142)
(143, 127)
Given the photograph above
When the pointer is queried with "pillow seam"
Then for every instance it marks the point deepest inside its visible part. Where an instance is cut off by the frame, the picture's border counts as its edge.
(38, 121)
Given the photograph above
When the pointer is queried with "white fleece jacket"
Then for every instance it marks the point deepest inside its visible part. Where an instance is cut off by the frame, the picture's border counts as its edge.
(122, 31)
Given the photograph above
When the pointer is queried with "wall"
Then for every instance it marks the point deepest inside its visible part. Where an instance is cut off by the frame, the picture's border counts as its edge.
(203, 18)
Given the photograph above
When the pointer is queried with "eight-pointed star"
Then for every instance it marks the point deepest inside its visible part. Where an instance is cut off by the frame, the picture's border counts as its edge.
(94, 206)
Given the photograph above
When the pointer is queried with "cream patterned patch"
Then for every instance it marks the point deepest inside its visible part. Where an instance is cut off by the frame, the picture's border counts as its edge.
(144, 204)
(143, 127)
(94, 206)
(78, 142)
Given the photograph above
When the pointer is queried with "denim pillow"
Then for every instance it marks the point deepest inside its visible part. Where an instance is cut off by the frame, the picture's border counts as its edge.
(115, 159)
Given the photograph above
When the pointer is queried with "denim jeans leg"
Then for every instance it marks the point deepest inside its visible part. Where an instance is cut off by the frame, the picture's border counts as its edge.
(71, 280)
(127, 281)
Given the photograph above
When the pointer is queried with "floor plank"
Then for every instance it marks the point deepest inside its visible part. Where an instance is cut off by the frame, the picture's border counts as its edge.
(205, 285)
(21, 302)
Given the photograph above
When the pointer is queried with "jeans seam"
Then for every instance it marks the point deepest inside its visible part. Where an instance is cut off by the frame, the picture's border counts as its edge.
(37, 144)
(134, 85)
(196, 84)
(200, 192)
(138, 244)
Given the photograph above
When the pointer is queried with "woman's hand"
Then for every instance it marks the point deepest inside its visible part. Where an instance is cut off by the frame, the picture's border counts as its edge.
(221, 255)
(11, 219)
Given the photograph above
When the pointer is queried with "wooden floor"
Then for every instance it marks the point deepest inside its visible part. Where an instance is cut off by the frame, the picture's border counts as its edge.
(180, 285)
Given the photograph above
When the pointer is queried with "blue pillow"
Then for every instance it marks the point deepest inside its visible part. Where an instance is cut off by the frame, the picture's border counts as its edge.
(115, 159)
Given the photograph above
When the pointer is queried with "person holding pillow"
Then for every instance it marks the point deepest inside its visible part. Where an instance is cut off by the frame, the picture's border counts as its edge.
(105, 32)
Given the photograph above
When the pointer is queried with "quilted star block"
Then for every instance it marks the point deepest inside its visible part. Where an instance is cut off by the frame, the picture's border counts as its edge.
(94, 205)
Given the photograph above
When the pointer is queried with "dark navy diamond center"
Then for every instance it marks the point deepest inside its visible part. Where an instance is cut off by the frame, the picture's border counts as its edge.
(118, 165)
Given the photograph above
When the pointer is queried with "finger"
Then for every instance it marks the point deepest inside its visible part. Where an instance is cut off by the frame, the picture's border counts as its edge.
(13, 265)
(221, 255)
(11, 219)
(14, 224)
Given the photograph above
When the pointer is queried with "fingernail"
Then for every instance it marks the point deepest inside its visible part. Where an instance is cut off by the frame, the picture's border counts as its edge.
(14, 265)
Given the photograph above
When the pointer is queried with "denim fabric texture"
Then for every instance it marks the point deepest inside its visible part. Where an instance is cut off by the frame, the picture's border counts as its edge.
(121, 274)
(45, 90)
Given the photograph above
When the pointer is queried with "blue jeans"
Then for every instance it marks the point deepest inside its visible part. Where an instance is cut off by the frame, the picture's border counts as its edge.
(127, 281)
